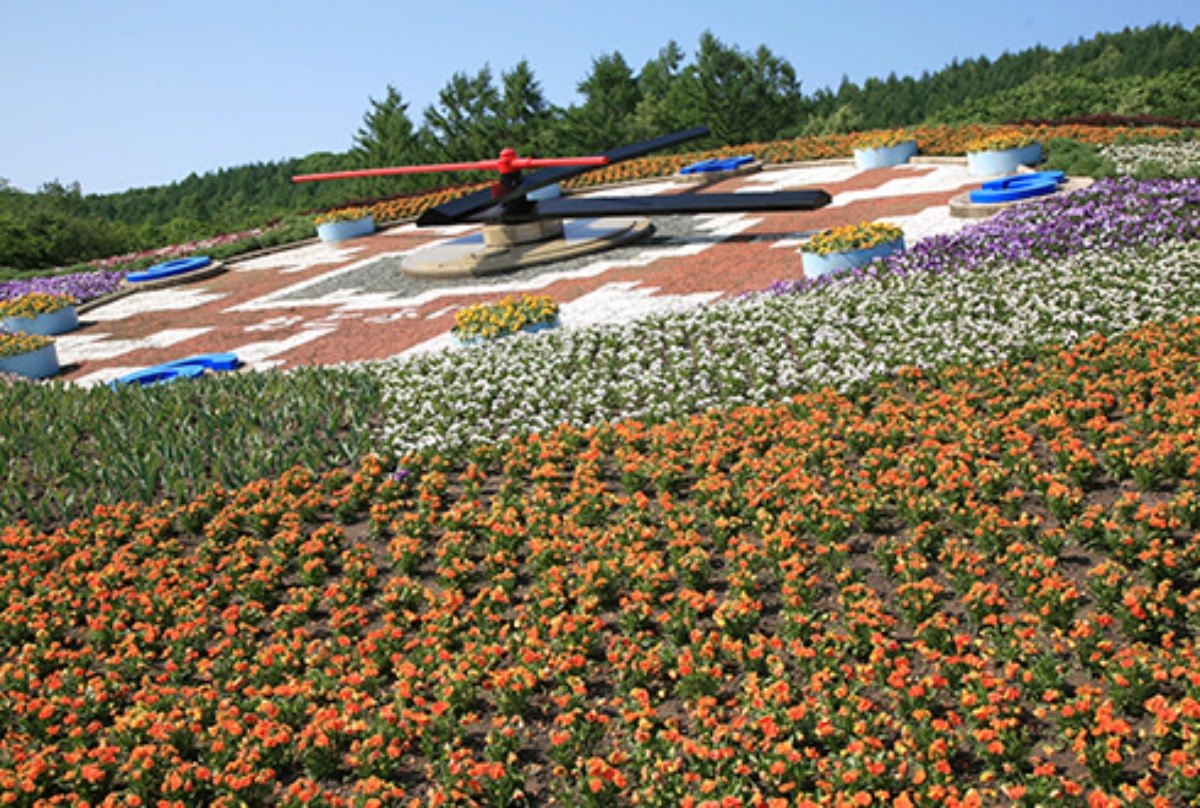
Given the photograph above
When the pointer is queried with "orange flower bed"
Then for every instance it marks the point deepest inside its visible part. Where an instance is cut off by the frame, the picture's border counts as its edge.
(970, 588)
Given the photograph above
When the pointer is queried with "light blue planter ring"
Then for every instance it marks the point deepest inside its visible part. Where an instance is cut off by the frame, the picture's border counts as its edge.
(529, 329)
(1006, 161)
(1018, 187)
(885, 156)
(341, 231)
(170, 269)
(190, 368)
(39, 364)
(817, 265)
(49, 324)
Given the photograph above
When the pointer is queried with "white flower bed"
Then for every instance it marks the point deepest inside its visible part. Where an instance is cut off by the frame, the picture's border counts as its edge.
(1178, 158)
(766, 348)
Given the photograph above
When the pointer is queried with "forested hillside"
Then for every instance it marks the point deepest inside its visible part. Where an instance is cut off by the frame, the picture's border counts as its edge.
(1149, 72)
(742, 96)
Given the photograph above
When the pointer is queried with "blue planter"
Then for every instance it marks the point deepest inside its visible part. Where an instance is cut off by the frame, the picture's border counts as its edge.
(717, 165)
(1018, 187)
(39, 364)
(340, 231)
(49, 324)
(529, 329)
(169, 269)
(159, 374)
(1006, 161)
(817, 265)
(885, 156)
(192, 367)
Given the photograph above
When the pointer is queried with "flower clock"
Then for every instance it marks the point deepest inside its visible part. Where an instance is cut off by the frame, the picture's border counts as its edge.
(485, 322)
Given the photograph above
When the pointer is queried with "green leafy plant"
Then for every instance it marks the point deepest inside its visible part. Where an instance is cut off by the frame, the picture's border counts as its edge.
(228, 430)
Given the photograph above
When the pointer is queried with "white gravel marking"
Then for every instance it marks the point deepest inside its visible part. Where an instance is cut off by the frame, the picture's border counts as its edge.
(257, 355)
(171, 299)
(300, 258)
(785, 179)
(90, 346)
(942, 178)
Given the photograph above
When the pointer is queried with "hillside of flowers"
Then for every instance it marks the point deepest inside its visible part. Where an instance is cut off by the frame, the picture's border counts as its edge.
(969, 586)
(925, 534)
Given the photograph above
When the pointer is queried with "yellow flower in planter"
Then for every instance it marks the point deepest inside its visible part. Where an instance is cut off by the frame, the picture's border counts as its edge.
(341, 215)
(1002, 141)
(487, 321)
(15, 344)
(33, 304)
(852, 237)
(883, 138)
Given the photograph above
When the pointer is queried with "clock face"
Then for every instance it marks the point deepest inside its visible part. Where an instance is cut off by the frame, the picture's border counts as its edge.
(348, 301)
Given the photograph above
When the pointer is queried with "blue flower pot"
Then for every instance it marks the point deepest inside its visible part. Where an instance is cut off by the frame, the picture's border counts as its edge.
(885, 156)
(49, 324)
(817, 265)
(340, 231)
(39, 364)
(1005, 161)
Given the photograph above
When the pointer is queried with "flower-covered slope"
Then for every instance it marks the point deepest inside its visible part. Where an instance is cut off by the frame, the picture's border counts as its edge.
(1101, 260)
(968, 584)
(969, 587)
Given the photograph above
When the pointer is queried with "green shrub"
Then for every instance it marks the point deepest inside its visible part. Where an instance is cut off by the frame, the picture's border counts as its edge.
(1077, 159)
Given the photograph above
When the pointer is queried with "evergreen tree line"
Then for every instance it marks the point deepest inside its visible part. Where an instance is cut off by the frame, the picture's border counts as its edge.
(742, 96)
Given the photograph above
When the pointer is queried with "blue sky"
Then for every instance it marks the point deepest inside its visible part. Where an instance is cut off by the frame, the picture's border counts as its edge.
(131, 93)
